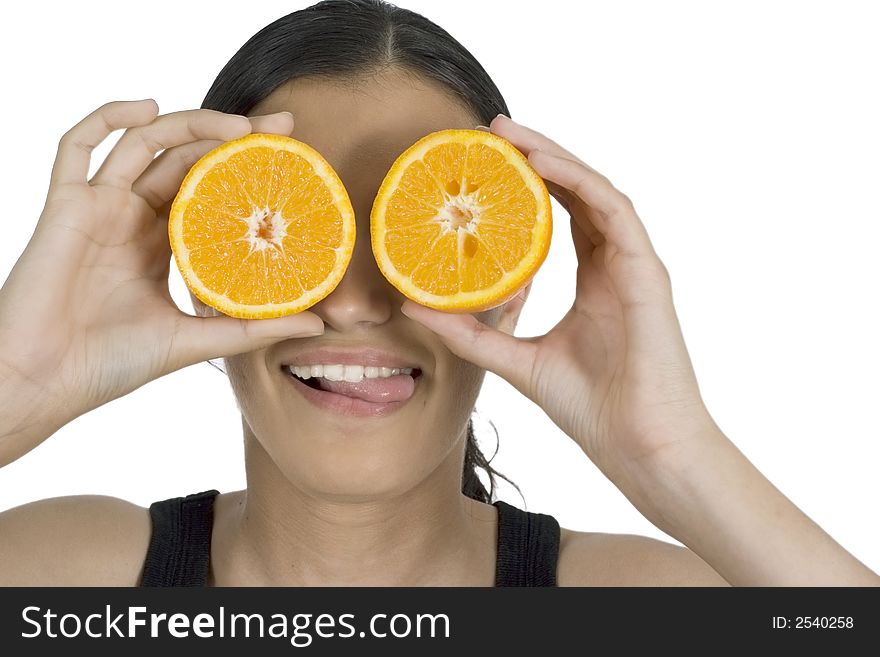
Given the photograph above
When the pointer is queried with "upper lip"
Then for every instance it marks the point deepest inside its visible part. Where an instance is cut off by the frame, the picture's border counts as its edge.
(371, 357)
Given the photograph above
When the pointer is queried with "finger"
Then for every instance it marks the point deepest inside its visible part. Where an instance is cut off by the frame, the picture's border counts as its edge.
(160, 182)
(204, 338)
(613, 212)
(583, 245)
(76, 145)
(527, 140)
(640, 280)
(279, 123)
(138, 146)
(507, 356)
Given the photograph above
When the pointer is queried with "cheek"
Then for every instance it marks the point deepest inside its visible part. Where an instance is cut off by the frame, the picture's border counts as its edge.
(460, 390)
(258, 399)
(241, 373)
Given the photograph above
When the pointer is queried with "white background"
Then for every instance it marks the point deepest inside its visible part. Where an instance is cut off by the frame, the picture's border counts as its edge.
(747, 136)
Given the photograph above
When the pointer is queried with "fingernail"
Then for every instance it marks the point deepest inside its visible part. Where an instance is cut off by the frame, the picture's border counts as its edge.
(290, 114)
(263, 116)
(309, 331)
(408, 306)
(483, 127)
(505, 116)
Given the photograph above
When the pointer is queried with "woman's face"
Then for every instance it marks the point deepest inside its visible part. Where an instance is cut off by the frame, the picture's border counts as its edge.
(361, 129)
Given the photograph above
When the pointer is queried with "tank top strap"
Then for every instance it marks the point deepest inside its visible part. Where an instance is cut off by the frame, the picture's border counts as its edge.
(528, 547)
(180, 547)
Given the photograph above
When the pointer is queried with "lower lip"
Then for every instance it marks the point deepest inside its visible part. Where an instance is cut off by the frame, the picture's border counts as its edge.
(330, 401)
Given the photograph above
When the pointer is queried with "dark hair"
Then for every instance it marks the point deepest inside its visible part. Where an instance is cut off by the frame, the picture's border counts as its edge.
(345, 40)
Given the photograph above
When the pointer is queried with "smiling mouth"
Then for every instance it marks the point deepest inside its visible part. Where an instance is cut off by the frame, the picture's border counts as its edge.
(333, 385)
(353, 389)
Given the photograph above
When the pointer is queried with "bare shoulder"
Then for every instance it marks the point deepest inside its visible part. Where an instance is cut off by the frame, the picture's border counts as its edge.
(77, 540)
(598, 559)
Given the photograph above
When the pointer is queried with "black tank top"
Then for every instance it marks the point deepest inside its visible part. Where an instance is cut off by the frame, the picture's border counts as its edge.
(180, 546)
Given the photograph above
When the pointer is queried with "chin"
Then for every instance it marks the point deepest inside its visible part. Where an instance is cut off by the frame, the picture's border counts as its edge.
(360, 467)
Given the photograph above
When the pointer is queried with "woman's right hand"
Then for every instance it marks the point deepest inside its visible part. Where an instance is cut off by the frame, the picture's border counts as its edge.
(86, 313)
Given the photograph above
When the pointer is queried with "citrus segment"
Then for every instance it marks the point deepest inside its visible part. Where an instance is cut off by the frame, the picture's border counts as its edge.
(262, 227)
(461, 221)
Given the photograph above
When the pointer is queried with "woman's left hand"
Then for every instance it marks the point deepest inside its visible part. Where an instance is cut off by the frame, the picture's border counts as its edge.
(614, 373)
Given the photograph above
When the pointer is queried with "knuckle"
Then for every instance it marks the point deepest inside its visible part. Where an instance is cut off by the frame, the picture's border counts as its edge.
(147, 138)
(188, 154)
(181, 156)
(620, 204)
(71, 139)
(108, 111)
(108, 120)
(110, 105)
(582, 188)
(67, 138)
(247, 329)
(191, 116)
(663, 271)
(478, 331)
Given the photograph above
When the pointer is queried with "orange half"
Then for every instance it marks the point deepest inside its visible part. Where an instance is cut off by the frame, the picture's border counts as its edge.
(262, 227)
(461, 222)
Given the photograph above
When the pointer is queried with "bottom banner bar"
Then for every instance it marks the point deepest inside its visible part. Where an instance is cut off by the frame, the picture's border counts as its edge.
(434, 620)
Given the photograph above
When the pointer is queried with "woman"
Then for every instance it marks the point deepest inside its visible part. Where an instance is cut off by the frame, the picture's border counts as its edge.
(394, 498)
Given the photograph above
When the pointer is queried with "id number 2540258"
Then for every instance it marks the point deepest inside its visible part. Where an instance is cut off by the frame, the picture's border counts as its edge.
(810, 622)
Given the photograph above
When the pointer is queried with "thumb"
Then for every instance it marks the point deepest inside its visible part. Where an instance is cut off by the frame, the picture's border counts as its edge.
(203, 338)
(468, 338)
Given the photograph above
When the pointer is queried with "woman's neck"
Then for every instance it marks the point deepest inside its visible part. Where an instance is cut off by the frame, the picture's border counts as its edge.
(274, 534)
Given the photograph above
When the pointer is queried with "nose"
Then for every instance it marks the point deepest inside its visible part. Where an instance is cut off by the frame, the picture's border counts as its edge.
(363, 298)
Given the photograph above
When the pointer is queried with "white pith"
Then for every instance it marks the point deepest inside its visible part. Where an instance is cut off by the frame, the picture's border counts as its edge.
(263, 220)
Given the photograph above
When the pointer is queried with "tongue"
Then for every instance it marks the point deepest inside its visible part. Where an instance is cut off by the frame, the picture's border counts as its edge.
(390, 389)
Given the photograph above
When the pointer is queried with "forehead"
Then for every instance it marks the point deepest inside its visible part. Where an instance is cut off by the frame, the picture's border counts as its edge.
(369, 121)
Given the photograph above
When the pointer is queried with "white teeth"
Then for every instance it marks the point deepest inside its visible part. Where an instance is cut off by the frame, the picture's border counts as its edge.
(350, 373)
(334, 372)
(353, 373)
